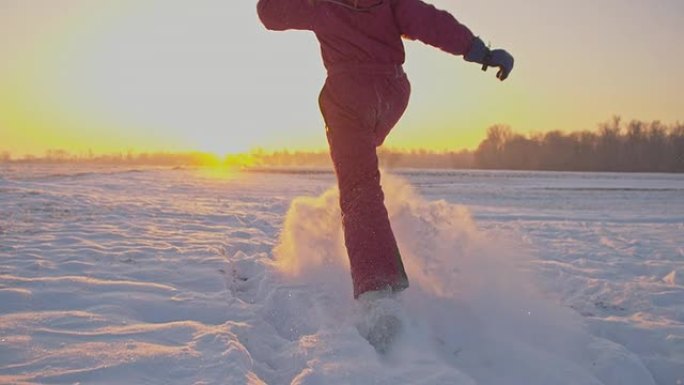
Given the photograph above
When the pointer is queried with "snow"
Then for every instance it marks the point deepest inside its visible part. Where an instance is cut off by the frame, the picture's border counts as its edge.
(175, 276)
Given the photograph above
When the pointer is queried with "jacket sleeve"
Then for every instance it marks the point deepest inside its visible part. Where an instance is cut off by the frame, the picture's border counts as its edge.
(421, 21)
(280, 15)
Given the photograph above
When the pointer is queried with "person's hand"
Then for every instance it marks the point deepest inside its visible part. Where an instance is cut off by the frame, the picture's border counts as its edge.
(480, 53)
(501, 59)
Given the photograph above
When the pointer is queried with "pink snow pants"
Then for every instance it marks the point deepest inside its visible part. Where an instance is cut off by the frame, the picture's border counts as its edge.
(360, 106)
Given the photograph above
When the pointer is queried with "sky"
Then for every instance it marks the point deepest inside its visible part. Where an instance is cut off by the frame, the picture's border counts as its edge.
(175, 75)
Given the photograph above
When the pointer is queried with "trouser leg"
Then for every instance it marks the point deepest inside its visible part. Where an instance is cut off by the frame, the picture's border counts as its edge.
(352, 136)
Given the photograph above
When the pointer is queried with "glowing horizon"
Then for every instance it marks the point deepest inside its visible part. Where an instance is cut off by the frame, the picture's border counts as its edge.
(170, 76)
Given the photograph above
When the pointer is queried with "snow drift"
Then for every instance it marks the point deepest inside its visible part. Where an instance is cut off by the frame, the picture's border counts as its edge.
(158, 276)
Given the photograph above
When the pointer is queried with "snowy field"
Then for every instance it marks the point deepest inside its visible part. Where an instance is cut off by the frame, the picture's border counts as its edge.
(160, 276)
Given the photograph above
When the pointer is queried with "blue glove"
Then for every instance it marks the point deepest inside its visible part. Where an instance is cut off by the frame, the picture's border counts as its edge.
(480, 53)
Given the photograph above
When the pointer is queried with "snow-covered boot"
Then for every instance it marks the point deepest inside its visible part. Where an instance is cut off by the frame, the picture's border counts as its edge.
(380, 321)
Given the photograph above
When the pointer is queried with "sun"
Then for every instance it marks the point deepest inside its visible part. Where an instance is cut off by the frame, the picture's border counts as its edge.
(219, 148)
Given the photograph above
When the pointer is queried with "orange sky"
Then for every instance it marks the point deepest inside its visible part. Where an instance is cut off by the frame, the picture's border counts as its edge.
(204, 75)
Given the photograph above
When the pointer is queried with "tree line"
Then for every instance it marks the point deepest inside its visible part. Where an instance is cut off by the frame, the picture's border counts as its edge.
(120, 158)
(636, 146)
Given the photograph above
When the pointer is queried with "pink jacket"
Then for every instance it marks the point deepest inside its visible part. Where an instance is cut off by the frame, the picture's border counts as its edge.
(367, 31)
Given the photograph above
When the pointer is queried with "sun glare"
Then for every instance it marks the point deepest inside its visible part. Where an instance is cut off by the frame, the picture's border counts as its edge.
(228, 166)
